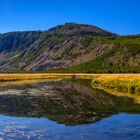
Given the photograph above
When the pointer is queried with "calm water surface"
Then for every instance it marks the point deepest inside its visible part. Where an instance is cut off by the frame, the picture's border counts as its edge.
(65, 111)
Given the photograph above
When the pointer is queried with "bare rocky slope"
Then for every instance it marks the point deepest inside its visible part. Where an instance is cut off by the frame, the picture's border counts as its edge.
(67, 46)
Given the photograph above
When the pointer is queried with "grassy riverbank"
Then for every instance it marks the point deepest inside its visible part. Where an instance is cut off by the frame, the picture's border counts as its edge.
(26, 76)
(121, 85)
(33, 76)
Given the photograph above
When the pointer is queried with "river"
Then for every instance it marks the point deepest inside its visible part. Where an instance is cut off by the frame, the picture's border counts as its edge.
(65, 110)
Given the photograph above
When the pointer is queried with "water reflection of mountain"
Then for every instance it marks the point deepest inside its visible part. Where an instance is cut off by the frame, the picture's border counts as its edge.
(63, 101)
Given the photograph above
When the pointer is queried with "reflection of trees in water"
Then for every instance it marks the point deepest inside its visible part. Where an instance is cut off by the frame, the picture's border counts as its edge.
(69, 103)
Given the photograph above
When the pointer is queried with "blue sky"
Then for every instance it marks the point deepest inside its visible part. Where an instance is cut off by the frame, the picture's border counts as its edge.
(119, 16)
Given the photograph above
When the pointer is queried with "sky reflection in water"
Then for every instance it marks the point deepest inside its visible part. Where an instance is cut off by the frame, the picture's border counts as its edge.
(116, 127)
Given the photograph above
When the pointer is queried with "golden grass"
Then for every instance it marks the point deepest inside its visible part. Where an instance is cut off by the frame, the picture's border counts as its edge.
(119, 84)
(15, 77)
(12, 77)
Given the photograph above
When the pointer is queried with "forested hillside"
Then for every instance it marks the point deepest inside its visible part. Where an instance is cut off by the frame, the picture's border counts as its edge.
(70, 48)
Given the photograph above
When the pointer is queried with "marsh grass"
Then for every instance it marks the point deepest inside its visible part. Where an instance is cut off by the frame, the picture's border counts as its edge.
(19, 77)
(121, 85)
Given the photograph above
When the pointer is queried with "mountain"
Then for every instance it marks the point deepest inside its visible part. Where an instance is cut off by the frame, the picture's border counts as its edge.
(69, 48)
